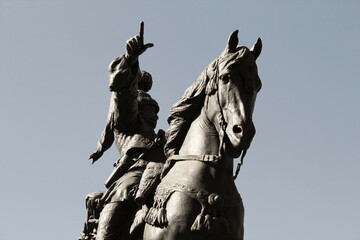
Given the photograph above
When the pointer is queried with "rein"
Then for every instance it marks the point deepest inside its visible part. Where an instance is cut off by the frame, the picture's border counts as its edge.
(243, 153)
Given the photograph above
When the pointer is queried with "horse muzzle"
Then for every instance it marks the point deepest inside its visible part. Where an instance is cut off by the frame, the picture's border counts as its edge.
(241, 135)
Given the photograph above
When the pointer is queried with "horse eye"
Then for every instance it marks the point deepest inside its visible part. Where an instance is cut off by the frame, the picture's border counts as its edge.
(225, 78)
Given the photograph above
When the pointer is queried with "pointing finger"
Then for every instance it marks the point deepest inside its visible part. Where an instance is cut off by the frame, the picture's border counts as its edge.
(141, 34)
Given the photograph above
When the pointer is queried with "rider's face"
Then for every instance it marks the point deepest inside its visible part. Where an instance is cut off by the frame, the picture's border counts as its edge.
(149, 113)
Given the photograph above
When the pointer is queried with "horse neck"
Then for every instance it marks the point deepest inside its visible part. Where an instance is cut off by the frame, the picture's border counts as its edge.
(201, 138)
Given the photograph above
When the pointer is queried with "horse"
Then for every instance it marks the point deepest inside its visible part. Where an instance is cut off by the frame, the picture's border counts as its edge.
(209, 127)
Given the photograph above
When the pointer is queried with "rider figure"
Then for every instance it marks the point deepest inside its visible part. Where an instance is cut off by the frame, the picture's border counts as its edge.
(131, 122)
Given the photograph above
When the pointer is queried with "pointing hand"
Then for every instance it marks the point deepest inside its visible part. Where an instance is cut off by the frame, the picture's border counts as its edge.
(135, 46)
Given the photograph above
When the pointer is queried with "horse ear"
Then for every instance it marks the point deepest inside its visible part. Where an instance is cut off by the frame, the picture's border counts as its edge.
(256, 49)
(233, 42)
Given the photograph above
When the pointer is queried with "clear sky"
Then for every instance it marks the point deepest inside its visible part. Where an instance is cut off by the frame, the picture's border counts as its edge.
(301, 175)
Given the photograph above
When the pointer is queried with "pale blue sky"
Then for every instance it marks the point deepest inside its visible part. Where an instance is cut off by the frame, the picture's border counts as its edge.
(301, 175)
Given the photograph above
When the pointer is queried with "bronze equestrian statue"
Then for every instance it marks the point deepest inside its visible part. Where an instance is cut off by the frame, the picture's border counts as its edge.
(208, 127)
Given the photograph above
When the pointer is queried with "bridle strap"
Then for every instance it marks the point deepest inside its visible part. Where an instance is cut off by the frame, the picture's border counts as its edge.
(222, 133)
(222, 122)
(202, 158)
(223, 125)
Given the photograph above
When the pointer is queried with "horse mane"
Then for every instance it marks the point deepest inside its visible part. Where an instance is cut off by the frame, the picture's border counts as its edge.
(189, 106)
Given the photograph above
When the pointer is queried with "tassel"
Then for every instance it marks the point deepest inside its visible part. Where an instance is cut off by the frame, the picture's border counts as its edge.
(198, 223)
(161, 218)
(208, 222)
(157, 217)
(150, 216)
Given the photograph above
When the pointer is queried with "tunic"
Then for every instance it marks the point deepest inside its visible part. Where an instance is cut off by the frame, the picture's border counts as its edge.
(126, 127)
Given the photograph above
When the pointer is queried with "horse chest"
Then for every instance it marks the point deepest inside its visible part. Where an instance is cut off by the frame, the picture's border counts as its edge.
(202, 176)
(200, 139)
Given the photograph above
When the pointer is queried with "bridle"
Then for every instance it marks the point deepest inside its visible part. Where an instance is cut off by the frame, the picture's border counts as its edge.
(222, 133)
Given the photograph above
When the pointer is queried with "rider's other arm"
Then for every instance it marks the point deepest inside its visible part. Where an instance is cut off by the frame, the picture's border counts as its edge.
(104, 143)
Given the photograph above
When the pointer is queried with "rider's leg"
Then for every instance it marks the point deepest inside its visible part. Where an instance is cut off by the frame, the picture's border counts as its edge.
(119, 210)
(113, 221)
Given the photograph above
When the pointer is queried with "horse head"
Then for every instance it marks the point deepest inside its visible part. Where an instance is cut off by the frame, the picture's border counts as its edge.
(231, 95)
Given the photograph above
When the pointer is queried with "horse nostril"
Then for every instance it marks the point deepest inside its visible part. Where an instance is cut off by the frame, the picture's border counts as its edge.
(237, 129)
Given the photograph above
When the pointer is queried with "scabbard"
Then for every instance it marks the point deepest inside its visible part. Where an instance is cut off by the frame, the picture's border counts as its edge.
(120, 169)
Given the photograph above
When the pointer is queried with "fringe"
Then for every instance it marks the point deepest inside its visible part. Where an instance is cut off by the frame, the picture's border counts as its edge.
(157, 217)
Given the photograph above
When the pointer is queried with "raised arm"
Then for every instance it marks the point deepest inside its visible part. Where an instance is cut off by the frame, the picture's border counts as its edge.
(124, 74)
(124, 77)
